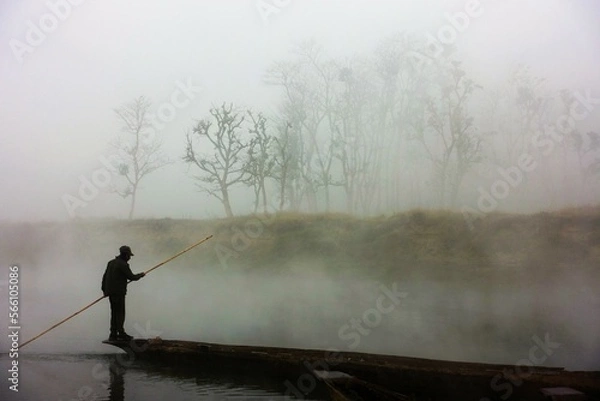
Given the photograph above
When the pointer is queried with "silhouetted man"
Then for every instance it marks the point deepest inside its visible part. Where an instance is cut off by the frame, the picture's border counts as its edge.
(114, 285)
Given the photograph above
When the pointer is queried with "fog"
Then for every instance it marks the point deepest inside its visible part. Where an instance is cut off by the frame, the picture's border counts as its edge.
(474, 315)
(59, 96)
(61, 87)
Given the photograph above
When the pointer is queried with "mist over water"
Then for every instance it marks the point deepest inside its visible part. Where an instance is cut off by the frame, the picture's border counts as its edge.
(472, 316)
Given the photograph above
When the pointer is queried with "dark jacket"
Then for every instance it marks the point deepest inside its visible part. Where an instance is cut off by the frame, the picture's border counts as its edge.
(114, 281)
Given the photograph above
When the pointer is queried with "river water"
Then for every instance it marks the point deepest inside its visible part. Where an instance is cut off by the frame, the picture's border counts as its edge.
(102, 377)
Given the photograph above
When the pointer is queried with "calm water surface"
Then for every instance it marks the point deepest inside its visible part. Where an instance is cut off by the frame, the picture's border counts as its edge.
(101, 377)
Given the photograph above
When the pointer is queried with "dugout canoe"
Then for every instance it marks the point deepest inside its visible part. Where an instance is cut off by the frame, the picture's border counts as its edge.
(422, 378)
(343, 387)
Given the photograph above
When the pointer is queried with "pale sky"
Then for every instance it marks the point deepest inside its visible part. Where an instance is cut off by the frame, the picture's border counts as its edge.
(57, 101)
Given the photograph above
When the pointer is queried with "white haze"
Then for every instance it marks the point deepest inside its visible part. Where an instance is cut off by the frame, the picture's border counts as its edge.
(57, 119)
(57, 105)
(307, 304)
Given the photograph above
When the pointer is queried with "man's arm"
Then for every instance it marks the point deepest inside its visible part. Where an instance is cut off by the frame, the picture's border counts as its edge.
(129, 274)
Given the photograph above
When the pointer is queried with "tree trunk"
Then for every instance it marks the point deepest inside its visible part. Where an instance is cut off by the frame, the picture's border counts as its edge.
(132, 206)
(226, 203)
(282, 192)
(264, 196)
(256, 198)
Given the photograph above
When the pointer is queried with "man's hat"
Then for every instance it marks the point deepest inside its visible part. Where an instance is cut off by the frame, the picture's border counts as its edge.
(125, 250)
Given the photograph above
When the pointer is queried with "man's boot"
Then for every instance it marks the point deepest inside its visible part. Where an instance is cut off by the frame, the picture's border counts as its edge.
(124, 336)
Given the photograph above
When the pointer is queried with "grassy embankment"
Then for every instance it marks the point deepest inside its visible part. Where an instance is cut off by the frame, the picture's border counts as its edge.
(418, 241)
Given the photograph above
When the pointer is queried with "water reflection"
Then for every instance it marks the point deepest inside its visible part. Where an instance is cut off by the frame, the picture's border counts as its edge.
(103, 377)
(224, 381)
(179, 382)
(116, 385)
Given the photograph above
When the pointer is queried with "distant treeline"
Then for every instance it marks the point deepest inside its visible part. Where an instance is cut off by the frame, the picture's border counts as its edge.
(396, 129)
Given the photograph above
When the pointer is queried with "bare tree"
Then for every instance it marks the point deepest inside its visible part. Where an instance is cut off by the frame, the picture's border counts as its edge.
(260, 162)
(139, 150)
(447, 134)
(586, 148)
(401, 75)
(225, 167)
(307, 83)
(516, 111)
(287, 156)
(354, 140)
(322, 74)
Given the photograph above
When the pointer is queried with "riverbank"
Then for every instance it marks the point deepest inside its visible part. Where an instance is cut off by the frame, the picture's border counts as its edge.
(302, 280)
(427, 242)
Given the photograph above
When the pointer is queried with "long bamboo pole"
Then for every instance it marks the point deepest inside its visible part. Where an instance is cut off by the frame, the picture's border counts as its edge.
(104, 296)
